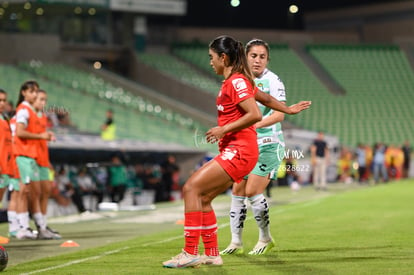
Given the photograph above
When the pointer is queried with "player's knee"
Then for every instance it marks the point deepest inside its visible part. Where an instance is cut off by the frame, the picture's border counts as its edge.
(206, 200)
(190, 188)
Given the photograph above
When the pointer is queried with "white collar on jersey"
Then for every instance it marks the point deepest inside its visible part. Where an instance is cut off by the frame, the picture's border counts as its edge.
(265, 71)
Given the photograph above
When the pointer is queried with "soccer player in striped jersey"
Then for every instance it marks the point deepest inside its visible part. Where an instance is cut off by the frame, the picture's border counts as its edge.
(271, 147)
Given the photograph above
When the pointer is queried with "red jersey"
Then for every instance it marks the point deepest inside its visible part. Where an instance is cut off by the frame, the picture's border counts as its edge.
(27, 147)
(6, 153)
(43, 151)
(234, 90)
(14, 168)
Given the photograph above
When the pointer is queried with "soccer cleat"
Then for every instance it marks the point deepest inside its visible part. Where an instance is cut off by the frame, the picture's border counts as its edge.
(45, 234)
(12, 234)
(211, 260)
(27, 233)
(52, 230)
(262, 247)
(183, 260)
(56, 235)
(232, 249)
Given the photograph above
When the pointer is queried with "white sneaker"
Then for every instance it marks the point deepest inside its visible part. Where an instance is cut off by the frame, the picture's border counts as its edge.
(212, 260)
(26, 233)
(182, 260)
(262, 247)
(233, 249)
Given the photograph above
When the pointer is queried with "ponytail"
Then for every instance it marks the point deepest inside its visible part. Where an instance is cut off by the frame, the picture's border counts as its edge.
(30, 84)
(236, 55)
(240, 63)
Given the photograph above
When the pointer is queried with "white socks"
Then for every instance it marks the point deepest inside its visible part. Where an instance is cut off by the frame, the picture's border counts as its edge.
(40, 222)
(13, 223)
(23, 220)
(260, 210)
(238, 211)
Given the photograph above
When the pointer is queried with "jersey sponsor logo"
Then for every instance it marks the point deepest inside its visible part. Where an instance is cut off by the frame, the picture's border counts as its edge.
(220, 108)
(242, 95)
(239, 84)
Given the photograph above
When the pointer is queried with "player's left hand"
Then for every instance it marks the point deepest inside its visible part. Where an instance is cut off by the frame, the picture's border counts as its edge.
(214, 134)
(299, 107)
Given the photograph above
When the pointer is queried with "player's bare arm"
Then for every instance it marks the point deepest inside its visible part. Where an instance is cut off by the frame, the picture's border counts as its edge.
(269, 101)
(21, 132)
(252, 116)
(275, 117)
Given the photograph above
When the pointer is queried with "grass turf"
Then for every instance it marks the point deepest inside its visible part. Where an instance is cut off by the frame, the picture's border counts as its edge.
(365, 231)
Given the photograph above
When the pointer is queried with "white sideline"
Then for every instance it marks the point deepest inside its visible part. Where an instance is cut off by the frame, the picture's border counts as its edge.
(76, 261)
(313, 202)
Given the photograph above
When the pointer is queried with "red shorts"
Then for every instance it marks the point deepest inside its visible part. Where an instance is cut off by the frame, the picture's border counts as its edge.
(238, 161)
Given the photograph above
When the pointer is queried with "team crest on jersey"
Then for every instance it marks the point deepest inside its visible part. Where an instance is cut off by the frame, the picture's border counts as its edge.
(220, 107)
(239, 84)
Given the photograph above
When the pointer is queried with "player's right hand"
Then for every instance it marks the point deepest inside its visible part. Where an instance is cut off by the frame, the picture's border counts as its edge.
(299, 107)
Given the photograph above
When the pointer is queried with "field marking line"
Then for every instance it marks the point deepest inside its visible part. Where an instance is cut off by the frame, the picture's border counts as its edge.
(224, 225)
(76, 261)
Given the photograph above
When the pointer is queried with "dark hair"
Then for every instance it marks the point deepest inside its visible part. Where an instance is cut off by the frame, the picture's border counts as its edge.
(41, 91)
(30, 84)
(258, 42)
(235, 51)
(2, 91)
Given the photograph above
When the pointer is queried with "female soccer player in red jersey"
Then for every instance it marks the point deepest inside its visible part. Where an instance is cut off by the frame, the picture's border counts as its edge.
(28, 132)
(43, 162)
(14, 187)
(5, 147)
(237, 141)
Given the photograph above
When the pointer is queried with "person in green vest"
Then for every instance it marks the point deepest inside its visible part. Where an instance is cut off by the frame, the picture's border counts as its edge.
(108, 129)
(118, 178)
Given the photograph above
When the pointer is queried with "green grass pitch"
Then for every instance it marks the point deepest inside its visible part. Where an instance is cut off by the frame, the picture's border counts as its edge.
(348, 230)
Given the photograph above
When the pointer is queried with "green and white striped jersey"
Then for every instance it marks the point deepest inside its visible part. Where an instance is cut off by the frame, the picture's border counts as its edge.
(271, 84)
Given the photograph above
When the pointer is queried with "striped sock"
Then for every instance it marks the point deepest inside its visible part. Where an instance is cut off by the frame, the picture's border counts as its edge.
(192, 231)
(209, 234)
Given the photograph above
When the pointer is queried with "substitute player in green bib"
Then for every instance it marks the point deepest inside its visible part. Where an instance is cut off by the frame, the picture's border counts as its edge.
(271, 150)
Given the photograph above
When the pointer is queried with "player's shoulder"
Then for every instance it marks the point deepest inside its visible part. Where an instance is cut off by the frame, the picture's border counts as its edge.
(272, 76)
(237, 76)
(239, 82)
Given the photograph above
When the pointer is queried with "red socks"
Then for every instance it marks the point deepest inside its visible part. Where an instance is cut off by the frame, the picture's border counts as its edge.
(192, 231)
(204, 224)
(209, 234)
